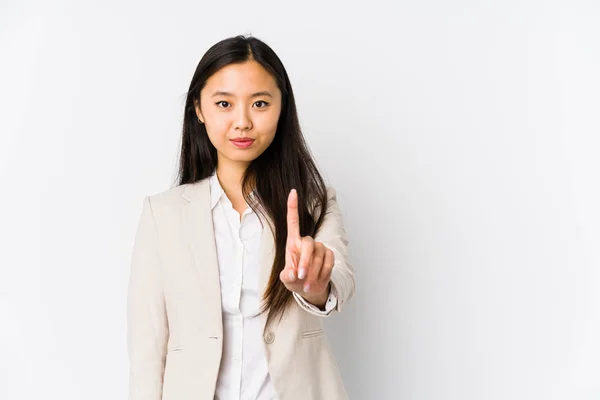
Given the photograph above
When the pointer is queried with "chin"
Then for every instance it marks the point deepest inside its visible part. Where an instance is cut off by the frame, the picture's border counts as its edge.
(247, 157)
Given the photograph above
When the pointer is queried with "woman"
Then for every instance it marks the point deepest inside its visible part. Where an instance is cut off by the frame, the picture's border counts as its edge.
(233, 269)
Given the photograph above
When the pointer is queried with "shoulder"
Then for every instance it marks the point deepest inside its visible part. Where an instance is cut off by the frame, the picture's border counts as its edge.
(178, 195)
(170, 196)
(331, 192)
(315, 204)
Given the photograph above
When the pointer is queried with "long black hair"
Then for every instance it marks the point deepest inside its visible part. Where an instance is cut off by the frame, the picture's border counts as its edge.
(287, 163)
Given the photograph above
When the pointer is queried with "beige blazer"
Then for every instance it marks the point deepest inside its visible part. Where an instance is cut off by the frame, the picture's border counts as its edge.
(174, 323)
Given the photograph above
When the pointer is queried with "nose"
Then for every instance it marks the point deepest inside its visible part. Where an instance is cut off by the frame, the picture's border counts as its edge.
(242, 121)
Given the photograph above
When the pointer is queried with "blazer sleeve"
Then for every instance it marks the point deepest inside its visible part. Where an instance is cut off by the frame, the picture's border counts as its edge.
(333, 235)
(147, 327)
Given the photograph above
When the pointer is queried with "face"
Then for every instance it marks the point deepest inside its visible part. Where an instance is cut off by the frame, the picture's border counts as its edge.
(243, 102)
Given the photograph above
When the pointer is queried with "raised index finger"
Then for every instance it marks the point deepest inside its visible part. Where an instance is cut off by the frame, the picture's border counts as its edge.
(292, 215)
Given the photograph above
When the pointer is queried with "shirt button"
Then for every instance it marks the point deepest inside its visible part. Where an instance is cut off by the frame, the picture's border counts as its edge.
(270, 337)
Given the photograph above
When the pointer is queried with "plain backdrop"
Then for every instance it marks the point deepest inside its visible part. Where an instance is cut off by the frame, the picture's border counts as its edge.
(462, 138)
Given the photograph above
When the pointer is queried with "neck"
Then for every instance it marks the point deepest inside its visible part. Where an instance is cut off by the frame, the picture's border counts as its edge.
(230, 177)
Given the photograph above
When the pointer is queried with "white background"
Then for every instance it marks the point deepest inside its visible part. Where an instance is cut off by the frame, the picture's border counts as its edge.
(462, 138)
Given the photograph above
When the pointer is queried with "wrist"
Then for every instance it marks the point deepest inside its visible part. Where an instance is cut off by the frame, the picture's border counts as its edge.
(318, 299)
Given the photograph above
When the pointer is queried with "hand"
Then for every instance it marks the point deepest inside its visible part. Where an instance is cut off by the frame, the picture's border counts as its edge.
(308, 264)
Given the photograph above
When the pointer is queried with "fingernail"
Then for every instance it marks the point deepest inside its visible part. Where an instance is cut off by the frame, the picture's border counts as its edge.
(301, 273)
(292, 275)
(306, 288)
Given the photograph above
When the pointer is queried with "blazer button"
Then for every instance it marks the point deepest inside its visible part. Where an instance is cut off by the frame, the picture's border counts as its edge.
(270, 337)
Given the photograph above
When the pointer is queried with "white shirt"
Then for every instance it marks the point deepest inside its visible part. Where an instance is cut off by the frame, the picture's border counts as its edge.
(243, 373)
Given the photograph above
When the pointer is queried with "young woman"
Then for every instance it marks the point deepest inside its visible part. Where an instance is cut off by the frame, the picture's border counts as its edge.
(233, 269)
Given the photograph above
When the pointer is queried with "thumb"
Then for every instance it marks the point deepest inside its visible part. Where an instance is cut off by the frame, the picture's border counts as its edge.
(287, 275)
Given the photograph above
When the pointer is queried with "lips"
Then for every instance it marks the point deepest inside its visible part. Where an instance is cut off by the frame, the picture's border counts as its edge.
(242, 143)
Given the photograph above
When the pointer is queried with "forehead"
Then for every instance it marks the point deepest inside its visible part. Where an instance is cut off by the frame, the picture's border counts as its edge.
(249, 76)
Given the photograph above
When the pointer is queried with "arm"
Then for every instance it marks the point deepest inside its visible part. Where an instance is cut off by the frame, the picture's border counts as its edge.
(333, 236)
(147, 328)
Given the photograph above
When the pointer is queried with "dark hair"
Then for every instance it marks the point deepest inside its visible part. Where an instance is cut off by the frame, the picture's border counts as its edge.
(287, 162)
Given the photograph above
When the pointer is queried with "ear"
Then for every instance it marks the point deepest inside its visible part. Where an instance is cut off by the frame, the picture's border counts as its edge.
(198, 112)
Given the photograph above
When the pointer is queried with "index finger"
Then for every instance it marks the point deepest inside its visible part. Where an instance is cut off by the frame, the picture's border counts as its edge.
(292, 215)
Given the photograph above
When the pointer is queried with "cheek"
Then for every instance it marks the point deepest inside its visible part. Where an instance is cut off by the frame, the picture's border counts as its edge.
(216, 137)
(268, 134)
(269, 123)
(216, 128)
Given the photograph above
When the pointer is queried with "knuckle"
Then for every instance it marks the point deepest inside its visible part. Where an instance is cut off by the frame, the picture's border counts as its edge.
(307, 239)
(318, 259)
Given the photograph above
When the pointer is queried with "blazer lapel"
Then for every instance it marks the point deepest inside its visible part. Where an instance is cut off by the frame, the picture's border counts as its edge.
(199, 233)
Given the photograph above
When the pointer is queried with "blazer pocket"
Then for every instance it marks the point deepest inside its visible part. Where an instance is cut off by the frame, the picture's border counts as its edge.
(314, 333)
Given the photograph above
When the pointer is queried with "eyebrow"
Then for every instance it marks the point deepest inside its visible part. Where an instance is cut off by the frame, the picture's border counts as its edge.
(257, 94)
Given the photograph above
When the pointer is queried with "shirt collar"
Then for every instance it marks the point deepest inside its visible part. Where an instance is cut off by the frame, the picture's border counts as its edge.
(216, 190)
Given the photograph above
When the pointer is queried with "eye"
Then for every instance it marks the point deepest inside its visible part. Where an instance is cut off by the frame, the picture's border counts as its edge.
(264, 102)
(222, 101)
